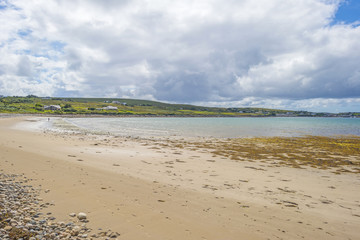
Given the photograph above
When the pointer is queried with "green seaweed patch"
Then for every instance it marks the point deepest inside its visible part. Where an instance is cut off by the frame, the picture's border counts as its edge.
(339, 153)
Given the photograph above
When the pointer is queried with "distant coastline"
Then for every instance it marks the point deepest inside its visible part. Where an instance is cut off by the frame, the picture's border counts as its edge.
(2, 115)
(165, 116)
(113, 107)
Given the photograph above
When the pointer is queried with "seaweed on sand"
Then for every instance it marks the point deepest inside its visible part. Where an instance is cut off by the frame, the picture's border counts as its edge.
(339, 153)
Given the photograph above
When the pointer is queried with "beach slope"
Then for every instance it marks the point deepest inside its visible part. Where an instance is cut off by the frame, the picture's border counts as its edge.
(146, 189)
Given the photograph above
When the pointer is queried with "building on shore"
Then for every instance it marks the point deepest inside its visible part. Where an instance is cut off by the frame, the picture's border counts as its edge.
(52, 107)
(108, 108)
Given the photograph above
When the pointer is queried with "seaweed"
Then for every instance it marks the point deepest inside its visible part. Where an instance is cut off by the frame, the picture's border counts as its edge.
(341, 153)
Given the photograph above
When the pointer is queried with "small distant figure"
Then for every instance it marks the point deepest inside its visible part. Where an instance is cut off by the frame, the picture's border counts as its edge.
(48, 119)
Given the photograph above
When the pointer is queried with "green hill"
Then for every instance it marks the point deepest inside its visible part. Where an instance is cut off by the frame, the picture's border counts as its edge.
(123, 107)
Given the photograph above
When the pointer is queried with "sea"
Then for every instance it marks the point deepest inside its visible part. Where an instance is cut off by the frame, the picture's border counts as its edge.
(207, 127)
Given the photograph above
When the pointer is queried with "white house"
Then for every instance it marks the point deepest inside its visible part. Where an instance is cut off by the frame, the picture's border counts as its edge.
(52, 107)
(110, 108)
(117, 102)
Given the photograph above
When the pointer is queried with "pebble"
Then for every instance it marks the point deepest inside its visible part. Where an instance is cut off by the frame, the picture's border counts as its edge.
(7, 228)
(82, 216)
(21, 217)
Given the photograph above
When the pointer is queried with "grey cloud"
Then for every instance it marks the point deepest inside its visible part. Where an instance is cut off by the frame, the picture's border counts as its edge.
(24, 67)
(2, 69)
(211, 51)
(182, 87)
(73, 59)
(61, 92)
(107, 5)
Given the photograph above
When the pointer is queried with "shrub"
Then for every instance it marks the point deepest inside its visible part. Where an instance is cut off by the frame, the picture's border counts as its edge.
(69, 110)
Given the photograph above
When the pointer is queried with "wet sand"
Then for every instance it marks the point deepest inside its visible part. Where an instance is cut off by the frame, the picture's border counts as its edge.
(145, 189)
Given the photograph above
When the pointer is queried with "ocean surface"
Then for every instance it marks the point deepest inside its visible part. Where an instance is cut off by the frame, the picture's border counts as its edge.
(210, 127)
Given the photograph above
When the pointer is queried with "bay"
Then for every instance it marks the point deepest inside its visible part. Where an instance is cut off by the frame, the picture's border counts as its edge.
(217, 127)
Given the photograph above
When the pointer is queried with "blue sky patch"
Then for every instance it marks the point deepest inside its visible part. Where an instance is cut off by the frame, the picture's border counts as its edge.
(23, 52)
(3, 4)
(24, 32)
(42, 55)
(57, 46)
(348, 12)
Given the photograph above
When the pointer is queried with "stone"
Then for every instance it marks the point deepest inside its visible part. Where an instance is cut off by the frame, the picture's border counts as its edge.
(72, 214)
(7, 228)
(114, 235)
(82, 216)
(75, 231)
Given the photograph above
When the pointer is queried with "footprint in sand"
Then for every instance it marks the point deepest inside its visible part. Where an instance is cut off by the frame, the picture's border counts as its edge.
(180, 161)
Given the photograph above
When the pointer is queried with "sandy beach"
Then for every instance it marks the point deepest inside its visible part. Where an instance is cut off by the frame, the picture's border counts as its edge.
(162, 189)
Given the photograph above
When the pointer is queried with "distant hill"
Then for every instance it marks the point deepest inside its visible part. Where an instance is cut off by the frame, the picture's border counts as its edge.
(126, 107)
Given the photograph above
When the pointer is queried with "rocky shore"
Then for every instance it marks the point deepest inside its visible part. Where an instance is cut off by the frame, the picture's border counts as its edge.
(22, 217)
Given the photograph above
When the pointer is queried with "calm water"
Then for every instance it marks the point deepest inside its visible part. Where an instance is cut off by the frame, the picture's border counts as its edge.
(218, 127)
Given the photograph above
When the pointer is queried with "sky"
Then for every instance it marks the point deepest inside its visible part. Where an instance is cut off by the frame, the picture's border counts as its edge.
(286, 54)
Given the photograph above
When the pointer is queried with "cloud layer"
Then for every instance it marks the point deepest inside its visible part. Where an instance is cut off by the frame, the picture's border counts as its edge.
(215, 52)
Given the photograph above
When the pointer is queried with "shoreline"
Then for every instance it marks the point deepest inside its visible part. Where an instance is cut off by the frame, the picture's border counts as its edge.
(158, 116)
(146, 190)
(75, 126)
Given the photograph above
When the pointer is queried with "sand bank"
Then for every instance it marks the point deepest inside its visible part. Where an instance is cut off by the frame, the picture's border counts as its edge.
(146, 189)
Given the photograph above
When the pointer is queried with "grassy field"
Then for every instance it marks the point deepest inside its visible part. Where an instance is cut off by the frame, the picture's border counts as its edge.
(84, 106)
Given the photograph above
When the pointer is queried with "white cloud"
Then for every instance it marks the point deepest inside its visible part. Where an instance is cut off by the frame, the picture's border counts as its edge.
(181, 51)
(333, 105)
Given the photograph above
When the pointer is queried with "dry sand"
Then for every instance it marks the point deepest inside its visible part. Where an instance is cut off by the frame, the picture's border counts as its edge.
(145, 191)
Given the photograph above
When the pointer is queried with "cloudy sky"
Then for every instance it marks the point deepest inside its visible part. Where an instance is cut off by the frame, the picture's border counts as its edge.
(288, 54)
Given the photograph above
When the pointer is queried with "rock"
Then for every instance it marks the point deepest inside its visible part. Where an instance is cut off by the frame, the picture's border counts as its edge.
(75, 231)
(82, 216)
(62, 224)
(72, 214)
(114, 235)
(7, 228)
